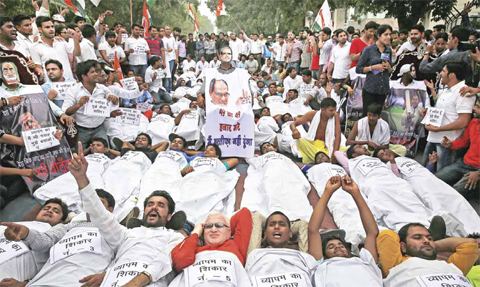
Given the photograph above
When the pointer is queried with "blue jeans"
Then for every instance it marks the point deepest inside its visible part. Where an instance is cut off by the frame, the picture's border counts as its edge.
(442, 152)
(139, 70)
(162, 97)
(296, 65)
(452, 175)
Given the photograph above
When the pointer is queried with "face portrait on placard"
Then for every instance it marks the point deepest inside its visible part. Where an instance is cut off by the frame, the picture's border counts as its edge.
(10, 73)
(28, 122)
(219, 92)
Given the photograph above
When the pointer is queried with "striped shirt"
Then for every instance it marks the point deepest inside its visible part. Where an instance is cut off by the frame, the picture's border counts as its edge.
(155, 45)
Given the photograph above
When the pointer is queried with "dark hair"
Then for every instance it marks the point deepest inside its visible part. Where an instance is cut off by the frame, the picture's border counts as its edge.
(283, 116)
(395, 32)
(350, 29)
(18, 19)
(351, 151)
(39, 21)
(117, 23)
(110, 34)
(153, 60)
(403, 232)
(272, 84)
(319, 153)
(146, 135)
(330, 238)
(52, 61)
(72, 26)
(261, 146)
(440, 27)
(371, 24)
(152, 27)
(418, 27)
(190, 34)
(293, 90)
(428, 35)
(62, 204)
(88, 31)
(375, 109)
(164, 194)
(461, 33)
(375, 152)
(327, 31)
(383, 28)
(59, 28)
(327, 103)
(78, 19)
(103, 141)
(307, 73)
(264, 108)
(458, 69)
(290, 69)
(218, 151)
(276, 213)
(404, 31)
(474, 235)
(442, 35)
(339, 31)
(84, 67)
(136, 25)
(107, 196)
(177, 29)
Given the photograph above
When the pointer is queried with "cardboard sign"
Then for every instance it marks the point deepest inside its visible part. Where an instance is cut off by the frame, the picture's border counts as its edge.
(89, 241)
(367, 167)
(219, 270)
(129, 117)
(407, 167)
(139, 49)
(11, 249)
(286, 279)
(98, 108)
(61, 88)
(143, 107)
(443, 280)
(129, 84)
(40, 139)
(124, 37)
(204, 161)
(335, 171)
(121, 274)
(434, 117)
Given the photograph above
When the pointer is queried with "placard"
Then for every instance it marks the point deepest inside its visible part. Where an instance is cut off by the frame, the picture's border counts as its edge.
(121, 274)
(204, 161)
(143, 107)
(61, 88)
(129, 84)
(367, 167)
(139, 49)
(434, 117)
(407, 167)
(218, 269)
(291, 279)
(89, 241)
(124, 38)
(98, 108)
(40, 139)
(271, 156)
(335, 171)
(443, 280)
(11, 249)
(129, 117)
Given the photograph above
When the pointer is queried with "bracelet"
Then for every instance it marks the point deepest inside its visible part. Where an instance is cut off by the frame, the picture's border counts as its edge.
(4, 102)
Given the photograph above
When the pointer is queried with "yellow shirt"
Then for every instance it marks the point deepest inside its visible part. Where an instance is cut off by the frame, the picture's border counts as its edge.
(474, 276)
(390, 255)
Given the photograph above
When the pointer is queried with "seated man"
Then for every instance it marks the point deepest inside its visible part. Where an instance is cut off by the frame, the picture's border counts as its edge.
(464, 175)
(324, 133)
(219, 242)
(277, 263)
(332, 253)
(145, 96)
(215, 180)
(65, 187)
(23, 263)
(296, 105)
(150, 243)
(273, 181)
(82, 264)
(55, 80)
(373, 131)
(461, 219)
(409, 257)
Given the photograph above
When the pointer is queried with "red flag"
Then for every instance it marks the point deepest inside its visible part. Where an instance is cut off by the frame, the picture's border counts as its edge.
(146, 19)
(221, 8)
(117, 68)
(69, 3)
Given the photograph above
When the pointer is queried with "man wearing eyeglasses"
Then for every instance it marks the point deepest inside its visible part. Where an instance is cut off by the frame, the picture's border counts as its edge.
(224, 245)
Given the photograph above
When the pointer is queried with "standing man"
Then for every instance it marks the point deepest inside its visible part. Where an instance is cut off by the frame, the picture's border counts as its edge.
(87, 45)
(256, 48)
(340, 60)
(137, 50)
(361, 43)
(171, 55)
(325, 45)
(236, 47)
(417, 33)
(221, 42)
(156, 44)
(294, 51)
(23, 24)
(279, 50)
(191, 46)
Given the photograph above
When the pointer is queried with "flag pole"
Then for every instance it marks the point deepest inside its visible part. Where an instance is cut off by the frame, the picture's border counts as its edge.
(235, 22)
(131, 13)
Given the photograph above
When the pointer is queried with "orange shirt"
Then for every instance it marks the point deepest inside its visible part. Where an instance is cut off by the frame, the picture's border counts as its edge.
(183, 255)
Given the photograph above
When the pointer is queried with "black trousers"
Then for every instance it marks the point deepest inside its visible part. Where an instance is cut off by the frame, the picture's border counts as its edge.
(369, 98)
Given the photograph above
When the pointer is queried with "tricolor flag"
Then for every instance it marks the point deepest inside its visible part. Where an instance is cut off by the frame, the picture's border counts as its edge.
(324, 18)
(193, 18)
(117, 68)
(146, 19)
(220, 8)
(70, 4)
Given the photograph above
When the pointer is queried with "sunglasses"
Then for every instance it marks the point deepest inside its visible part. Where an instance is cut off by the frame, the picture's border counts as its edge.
(225, 53)
(217, 225)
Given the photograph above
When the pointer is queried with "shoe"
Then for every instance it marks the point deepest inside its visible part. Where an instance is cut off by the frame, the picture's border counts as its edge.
(438, 229)
(133, 222)
(118, 143)
(132, 214)
(177, 221)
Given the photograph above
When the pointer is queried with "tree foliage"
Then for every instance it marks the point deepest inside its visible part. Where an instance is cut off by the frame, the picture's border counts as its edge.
(164, 12)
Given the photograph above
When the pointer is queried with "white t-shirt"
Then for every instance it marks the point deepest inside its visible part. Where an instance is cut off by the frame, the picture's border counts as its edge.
(156, 84)
(280, 51)
(110, 51)
(341, 59)
(169, 43)
(140, 46)
(42, 52)
(88, 51)
(454, 104)
(325, 52)
(187, 65)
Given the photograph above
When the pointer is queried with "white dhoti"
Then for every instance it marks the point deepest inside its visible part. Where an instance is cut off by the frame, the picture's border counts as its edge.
(266, 130)
(189, 126)
(460, 217)
(160, 128)
(298, 107)
(275, 183)
(390, 198)
(65, 186)
(286, 142)
(342, 206)
(210, 187)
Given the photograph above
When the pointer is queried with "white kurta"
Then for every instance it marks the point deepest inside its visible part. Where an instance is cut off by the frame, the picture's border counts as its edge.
(275, 183)
(381, 133)
(460, 217)
(126, 132)
(189, 126)
(342, 206)
(27, 265)
(390, 198)
(210, 187)
(274, 262)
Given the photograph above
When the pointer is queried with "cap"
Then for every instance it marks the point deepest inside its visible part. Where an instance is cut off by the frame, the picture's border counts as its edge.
(58, 18)
(404, 69)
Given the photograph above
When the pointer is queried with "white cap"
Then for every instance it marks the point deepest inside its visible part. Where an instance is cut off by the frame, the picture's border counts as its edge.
(404, 69)
(58, 18)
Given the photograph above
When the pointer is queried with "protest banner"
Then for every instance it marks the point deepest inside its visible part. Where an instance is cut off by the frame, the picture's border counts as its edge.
(285, 279)
(129, 117)
(61, 88)
(218, 269)
(230, 120)
(122, 273)
(11, 249)
(87, 240)
(143, 107)
(98, 107)
(32, 113)
(40, 139)
(129, 83)
(443, 280)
